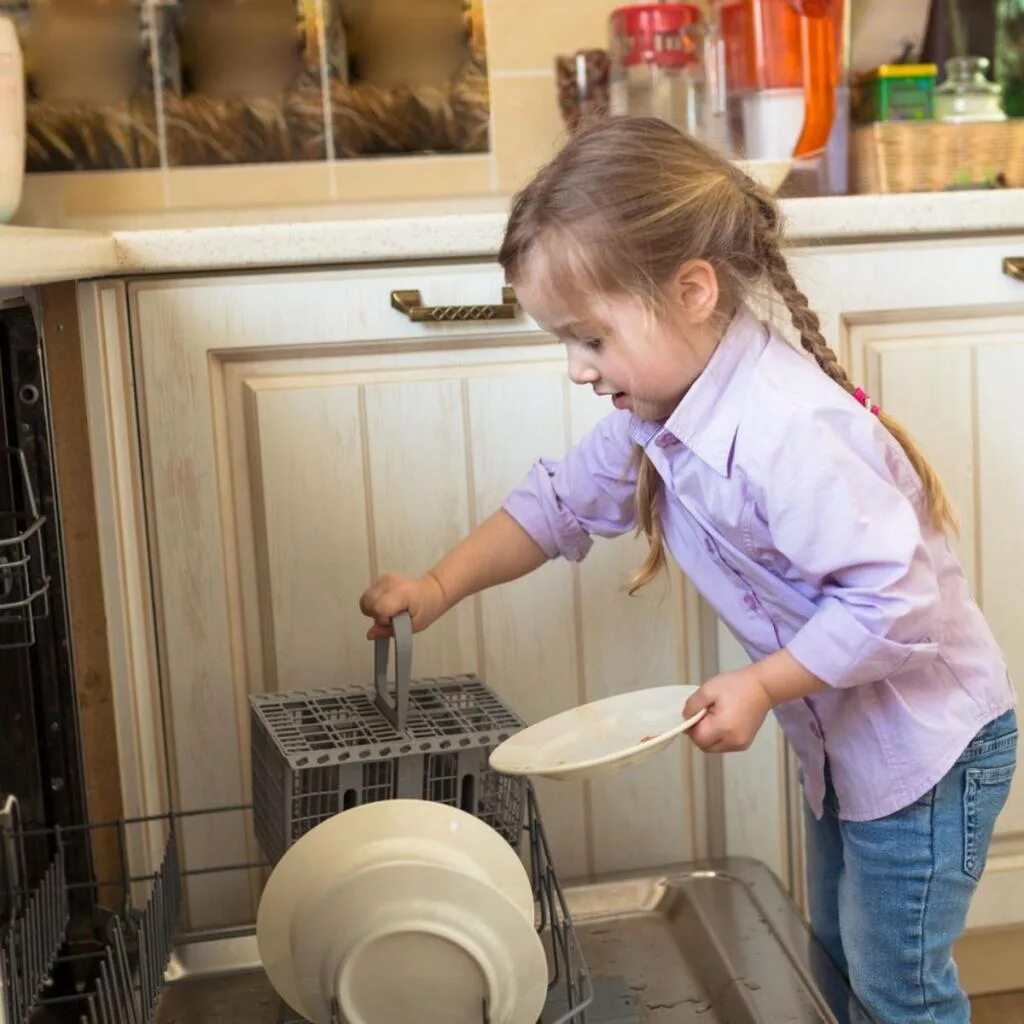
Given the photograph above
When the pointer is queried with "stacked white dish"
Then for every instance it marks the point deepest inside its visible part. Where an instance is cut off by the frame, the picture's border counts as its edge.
(403, 911)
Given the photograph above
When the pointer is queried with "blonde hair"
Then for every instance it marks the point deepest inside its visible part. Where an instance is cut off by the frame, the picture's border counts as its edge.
(629, 200)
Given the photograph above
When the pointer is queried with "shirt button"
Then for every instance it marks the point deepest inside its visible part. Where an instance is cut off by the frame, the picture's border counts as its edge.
(709, 544)
(666, 440)
(750, 601)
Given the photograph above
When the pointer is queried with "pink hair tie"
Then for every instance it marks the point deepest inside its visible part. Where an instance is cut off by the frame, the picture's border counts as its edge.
(862, 396)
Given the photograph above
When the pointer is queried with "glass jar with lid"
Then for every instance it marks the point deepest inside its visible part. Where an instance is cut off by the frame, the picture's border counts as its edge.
(656, 62)
(966, 94)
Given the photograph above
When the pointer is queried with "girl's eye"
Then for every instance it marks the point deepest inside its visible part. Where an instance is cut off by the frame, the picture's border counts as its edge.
(592, 344)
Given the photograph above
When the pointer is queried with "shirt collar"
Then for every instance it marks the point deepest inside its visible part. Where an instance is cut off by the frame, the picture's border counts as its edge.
(707, 418)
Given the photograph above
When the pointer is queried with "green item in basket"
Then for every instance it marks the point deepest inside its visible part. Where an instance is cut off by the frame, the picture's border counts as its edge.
(1009, 60)
(897, 92)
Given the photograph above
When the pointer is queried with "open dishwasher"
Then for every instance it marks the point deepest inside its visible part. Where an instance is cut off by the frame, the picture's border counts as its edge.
(716, 942)
(713, 942)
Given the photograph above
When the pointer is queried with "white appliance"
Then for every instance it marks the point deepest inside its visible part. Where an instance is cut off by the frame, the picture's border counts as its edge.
(12, 120)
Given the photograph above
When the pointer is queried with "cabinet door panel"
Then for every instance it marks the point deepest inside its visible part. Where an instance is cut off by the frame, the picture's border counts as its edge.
(309, 580)
(954, 383)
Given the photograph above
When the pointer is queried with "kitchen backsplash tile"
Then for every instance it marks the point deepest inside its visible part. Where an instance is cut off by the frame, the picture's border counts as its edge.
(52, 199)
(249, 185)
(527, 126)
(525, 35)
(508, 124)
(429, 177)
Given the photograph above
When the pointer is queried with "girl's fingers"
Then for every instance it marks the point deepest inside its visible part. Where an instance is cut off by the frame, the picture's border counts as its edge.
(698, 701)
(704, 734)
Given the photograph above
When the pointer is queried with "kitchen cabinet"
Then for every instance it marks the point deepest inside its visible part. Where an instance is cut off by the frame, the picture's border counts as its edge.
(264, 444)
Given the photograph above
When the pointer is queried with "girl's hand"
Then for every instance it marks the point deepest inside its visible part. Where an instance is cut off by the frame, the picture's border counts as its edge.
(421, 596)
(737, 704)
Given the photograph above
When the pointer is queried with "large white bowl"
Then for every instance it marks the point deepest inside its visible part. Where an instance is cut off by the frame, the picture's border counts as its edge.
(600, 737)
(403, 943)
(389, 831)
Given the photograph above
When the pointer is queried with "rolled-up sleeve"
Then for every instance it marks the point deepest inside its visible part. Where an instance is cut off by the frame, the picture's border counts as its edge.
(591, 491)
(836, 512)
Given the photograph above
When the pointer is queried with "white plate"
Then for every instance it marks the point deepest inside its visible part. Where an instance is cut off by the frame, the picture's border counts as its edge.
(769, 173)
(400, 943)
(595, 738)
(387, 831)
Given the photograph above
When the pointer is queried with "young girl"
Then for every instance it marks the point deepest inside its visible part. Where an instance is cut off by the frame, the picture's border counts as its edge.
(804, 515)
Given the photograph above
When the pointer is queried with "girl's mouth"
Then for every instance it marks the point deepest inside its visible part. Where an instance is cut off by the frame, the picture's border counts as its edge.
(620, 400)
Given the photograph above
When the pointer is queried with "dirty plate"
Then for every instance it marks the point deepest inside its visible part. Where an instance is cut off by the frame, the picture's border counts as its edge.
(595, 738)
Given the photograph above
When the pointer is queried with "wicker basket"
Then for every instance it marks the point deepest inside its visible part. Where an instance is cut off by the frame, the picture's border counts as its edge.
(932, 156)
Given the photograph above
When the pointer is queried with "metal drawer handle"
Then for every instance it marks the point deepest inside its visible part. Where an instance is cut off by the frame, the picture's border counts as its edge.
(410, 303)
(1013, 266)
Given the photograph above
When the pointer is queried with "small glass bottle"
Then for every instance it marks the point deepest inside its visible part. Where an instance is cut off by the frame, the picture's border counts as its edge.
(966, 94)
(1010, 55)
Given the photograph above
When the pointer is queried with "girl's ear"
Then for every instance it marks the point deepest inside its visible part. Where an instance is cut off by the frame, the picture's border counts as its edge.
(694, 293)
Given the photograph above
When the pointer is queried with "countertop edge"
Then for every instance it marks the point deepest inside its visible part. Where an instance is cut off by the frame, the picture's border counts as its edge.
(36, 255)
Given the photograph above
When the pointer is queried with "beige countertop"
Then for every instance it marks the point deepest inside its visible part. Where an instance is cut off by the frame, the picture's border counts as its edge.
(438, 229)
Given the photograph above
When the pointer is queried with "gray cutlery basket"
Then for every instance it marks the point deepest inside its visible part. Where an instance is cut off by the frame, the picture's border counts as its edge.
(318, 752)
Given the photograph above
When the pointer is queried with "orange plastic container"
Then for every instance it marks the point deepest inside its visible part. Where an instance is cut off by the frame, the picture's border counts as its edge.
(775, 45)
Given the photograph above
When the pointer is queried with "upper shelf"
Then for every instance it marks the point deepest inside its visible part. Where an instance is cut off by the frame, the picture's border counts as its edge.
(437, 229)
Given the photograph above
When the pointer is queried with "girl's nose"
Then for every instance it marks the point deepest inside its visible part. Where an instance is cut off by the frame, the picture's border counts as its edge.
(580, 369)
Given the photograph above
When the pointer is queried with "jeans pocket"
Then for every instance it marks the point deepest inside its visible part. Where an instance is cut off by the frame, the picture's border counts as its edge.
(985, 793)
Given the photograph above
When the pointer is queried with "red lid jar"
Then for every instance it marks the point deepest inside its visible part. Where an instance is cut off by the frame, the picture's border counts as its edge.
(655, 34)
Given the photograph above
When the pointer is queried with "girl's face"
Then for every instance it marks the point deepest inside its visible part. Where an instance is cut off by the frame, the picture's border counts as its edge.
(642, 362)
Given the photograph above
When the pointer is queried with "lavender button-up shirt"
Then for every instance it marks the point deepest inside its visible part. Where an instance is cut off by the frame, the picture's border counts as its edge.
(803, 524)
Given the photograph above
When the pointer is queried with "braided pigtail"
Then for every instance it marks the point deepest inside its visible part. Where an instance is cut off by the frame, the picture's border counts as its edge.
(806, 321)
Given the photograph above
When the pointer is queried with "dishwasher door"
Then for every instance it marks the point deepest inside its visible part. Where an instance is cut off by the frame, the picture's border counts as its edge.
(718, 943)
(715, 943)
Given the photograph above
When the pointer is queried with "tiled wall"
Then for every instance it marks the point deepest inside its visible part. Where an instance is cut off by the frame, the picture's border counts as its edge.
(523, 37)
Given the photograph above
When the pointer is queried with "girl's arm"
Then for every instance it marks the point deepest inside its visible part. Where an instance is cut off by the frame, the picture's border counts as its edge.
(554, 512)
(497, 551)
(784, 678)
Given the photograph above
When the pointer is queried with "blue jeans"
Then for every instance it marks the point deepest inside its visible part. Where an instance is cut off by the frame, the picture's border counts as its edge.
(888, 898)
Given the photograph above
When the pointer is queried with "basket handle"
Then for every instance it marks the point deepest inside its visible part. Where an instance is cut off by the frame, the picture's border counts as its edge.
(395, 713)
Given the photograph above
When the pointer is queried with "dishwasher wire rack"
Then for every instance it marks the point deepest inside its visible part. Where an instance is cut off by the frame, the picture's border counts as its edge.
(112, 967)
(24, 583)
